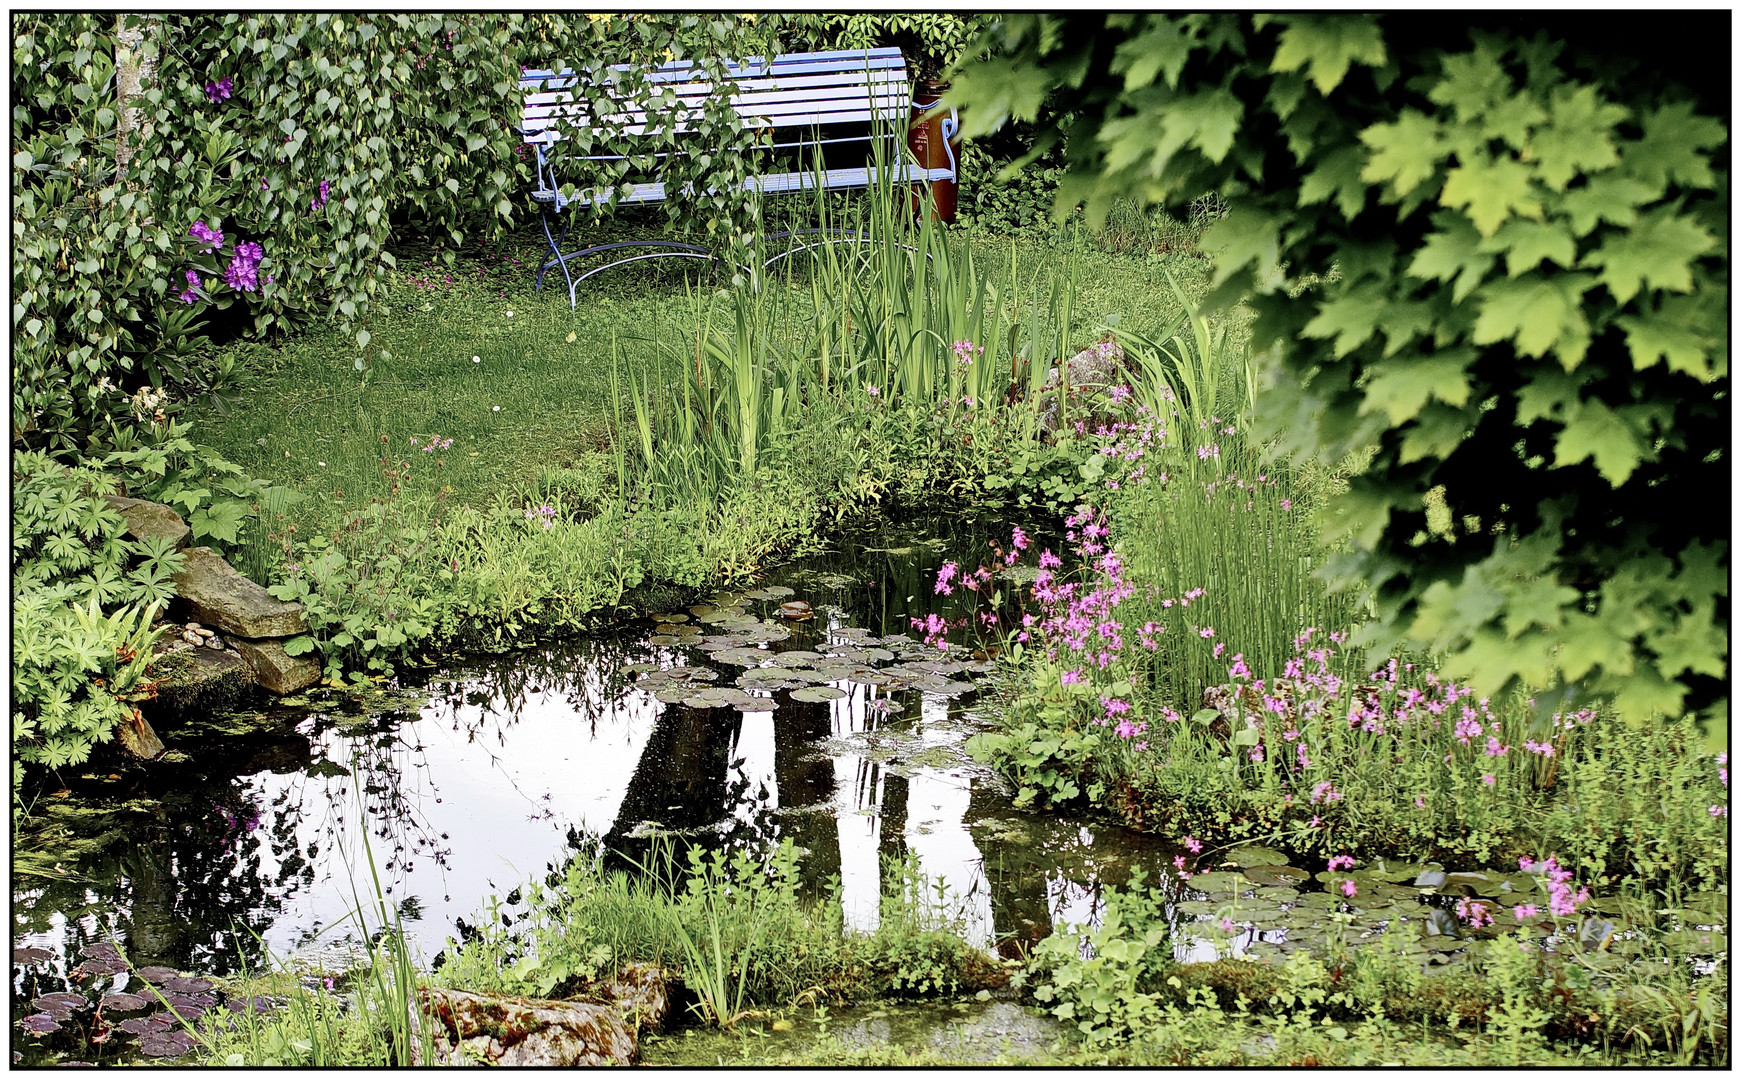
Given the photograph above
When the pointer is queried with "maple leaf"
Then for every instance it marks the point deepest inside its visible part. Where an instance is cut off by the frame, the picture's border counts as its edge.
(1599, 433)
(1327, 46)
(1401, 387)
(1406, 153)
(1658, 251)
(1535, 312)
(1491, 190)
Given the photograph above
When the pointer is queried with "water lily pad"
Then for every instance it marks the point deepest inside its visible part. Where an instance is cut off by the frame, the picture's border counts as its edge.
(1278, 893)
(157, 974)
(769, 592)
(1201, 909)
(877, 656)
(256, 1005)
(40, 1024)
(1271, 874)
(1429, 879)
(123, 1002)
(62, 1000)
(664, 639)
(1320, 901)
(817, 693)
(191, 985)
(1439, 923)
(743, 657)
(100, 950)
(728, 598)
(1219, 881)
(670, 617)
(797, 657)
(165, 1044)
(30, 955)
(1686, 942)
(756, 704)
(853, 634)
(954, 689)
(1249, 855)
(92, 969)
(670, 695)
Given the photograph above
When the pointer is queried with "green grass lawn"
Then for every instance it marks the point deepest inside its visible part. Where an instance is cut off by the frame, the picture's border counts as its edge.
(538, 395)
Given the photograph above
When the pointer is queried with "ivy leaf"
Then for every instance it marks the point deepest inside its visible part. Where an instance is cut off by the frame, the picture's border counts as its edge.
(1599, 433)
(1658, 251)
(1535, 313)
(1326, 46)
(1490, 190)
(1405, 153)
(1401, 387)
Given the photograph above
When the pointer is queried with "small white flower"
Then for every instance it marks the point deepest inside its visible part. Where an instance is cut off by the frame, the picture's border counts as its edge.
(322, 464)
(475, 360)
(510, 314)
(495, 408)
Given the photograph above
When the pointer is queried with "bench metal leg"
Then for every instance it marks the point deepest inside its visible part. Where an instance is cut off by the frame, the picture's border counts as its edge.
(555, 259)
(670, 249)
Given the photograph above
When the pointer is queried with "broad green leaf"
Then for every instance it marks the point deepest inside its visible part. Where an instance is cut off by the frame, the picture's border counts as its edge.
(1437, 431)
(1351, 318)
(1610, 196)
(1587, 642)
(1536, 314)
(1578, 136)
(1161, 49)
(1526, 243)
(1405, 153)
(1402, 385)
(1658, 251)
(1653, 339)
(1337, 175)
(1450, 615)
(1670, 149)
(1326, 46)
(1454, 252)
(1599, 433)
(1490, 191)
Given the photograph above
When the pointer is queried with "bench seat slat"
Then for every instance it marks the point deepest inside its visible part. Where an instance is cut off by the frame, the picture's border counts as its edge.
(769, 183)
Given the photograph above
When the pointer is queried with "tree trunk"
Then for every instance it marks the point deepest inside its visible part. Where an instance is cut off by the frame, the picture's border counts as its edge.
(135, 66)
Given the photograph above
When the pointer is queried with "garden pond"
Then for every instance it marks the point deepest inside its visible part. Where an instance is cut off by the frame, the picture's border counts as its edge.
(725, 721)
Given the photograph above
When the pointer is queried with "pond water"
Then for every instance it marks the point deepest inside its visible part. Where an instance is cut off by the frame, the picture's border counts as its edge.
(482, 776)
(479, 777)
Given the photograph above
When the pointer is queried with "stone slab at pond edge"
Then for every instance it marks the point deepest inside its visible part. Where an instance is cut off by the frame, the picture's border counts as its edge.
(484, 1029)
(148, 519)
(212, 592)
(276, 669)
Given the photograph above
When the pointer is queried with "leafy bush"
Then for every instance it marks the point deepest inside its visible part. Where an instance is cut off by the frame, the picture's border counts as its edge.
(1500, 257)
(84, 598)
(1108, 978)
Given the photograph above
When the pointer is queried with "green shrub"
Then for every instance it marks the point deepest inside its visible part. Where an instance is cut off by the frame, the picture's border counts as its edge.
(84, 598)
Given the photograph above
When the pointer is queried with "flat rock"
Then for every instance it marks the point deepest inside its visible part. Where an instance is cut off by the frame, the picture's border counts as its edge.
(148, 519)
(276, 669)
(187, 674)
(487, 1029)
(212, 592)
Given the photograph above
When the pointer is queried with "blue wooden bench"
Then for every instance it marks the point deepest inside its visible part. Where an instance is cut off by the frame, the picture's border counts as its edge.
(805, 101)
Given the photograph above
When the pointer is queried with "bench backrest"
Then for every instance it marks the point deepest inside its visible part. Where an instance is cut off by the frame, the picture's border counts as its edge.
(795, 90)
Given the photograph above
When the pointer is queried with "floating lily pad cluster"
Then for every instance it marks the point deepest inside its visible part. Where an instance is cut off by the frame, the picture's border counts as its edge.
(728, 633)
(1260, 890)
(158, 1006)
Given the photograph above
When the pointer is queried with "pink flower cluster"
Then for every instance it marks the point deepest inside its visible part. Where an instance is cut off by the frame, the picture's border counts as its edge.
(1477, 913)
(1561, 900)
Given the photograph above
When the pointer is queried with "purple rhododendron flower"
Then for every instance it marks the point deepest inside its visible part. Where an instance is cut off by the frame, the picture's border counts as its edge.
(210, 239)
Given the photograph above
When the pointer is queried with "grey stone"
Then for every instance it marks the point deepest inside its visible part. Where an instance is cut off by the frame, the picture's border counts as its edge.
(186, 674)
(276, 669)
(136, 734)
(487, 1029)
(146, 519)
(213, 593)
